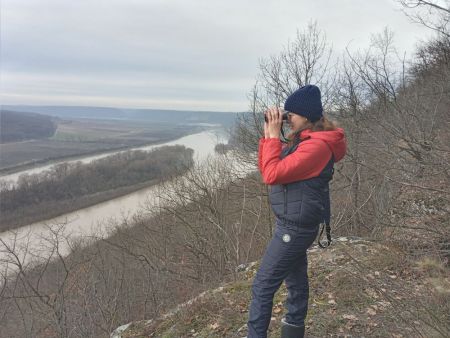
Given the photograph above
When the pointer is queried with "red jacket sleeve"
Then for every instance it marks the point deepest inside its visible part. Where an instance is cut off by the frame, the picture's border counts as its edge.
(307, 161)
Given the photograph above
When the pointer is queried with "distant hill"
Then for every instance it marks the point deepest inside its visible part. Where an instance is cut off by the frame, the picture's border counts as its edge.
(153, 115)
(20, 126)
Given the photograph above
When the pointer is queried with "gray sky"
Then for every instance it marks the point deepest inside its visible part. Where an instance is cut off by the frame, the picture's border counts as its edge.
(169, 54)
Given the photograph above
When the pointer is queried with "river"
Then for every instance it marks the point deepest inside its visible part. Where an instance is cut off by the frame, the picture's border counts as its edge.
(191, 141)
(34, 242)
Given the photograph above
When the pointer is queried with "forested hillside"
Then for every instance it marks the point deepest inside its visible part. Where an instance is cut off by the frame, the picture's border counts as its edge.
(19, 126)
(152, 115)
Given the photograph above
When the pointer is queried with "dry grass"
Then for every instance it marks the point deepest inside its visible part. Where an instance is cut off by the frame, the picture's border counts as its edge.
(358, 288)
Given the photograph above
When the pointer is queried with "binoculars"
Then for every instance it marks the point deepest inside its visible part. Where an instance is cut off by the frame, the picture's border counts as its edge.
(284, 117)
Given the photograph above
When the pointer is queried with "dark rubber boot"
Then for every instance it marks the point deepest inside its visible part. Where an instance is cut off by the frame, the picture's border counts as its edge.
(291, 331)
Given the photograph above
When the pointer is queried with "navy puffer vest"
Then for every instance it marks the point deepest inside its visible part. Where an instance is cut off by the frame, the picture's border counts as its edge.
(306, 202)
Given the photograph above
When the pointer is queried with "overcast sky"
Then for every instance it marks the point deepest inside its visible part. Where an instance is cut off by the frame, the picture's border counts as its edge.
(169, 54)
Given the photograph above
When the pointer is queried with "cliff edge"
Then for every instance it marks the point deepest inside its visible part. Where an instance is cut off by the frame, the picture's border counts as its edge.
(358, 288)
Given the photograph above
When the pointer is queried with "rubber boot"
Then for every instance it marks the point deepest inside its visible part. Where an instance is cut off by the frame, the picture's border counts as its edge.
(291, 331)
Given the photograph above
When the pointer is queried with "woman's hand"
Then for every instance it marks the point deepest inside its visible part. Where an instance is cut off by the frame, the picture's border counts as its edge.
(273, 126)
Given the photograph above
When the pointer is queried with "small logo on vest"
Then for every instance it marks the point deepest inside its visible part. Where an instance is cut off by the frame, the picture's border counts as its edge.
(286, 238)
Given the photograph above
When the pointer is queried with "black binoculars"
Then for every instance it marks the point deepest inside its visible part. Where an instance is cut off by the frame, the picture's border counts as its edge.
(284, 117)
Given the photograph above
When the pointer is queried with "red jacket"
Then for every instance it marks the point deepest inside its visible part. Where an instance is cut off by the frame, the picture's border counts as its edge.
(307, 161)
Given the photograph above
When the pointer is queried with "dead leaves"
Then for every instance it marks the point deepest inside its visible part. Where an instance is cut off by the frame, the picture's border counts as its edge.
(278, 308)
(371, 312)
(349, 317)
(214, 326)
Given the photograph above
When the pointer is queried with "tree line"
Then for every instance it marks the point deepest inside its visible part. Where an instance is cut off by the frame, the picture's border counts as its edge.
(63, 186)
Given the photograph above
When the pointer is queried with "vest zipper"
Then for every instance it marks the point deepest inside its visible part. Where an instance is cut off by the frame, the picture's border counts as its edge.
(285, 199)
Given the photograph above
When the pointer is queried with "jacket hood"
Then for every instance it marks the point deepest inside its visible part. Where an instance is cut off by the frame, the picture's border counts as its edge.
(334, 138)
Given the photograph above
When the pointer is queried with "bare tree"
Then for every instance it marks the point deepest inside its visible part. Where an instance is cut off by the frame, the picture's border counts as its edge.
(39, 302)
(432, 14)
(305, 59)
(213, 219)
(351, 108)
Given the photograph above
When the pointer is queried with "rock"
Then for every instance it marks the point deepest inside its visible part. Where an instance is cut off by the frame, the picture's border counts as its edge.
(241, 267)
(117, 333)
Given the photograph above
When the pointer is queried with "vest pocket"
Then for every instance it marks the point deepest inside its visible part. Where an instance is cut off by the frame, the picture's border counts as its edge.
(311, 209)
(285, 199)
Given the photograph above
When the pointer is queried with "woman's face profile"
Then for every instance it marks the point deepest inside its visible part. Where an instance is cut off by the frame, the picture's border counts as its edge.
(296, 122)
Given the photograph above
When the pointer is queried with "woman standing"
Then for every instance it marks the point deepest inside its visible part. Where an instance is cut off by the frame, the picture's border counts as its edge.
(298, 175)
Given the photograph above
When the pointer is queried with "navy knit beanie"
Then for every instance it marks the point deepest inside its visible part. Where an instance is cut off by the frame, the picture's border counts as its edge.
(305, 101)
